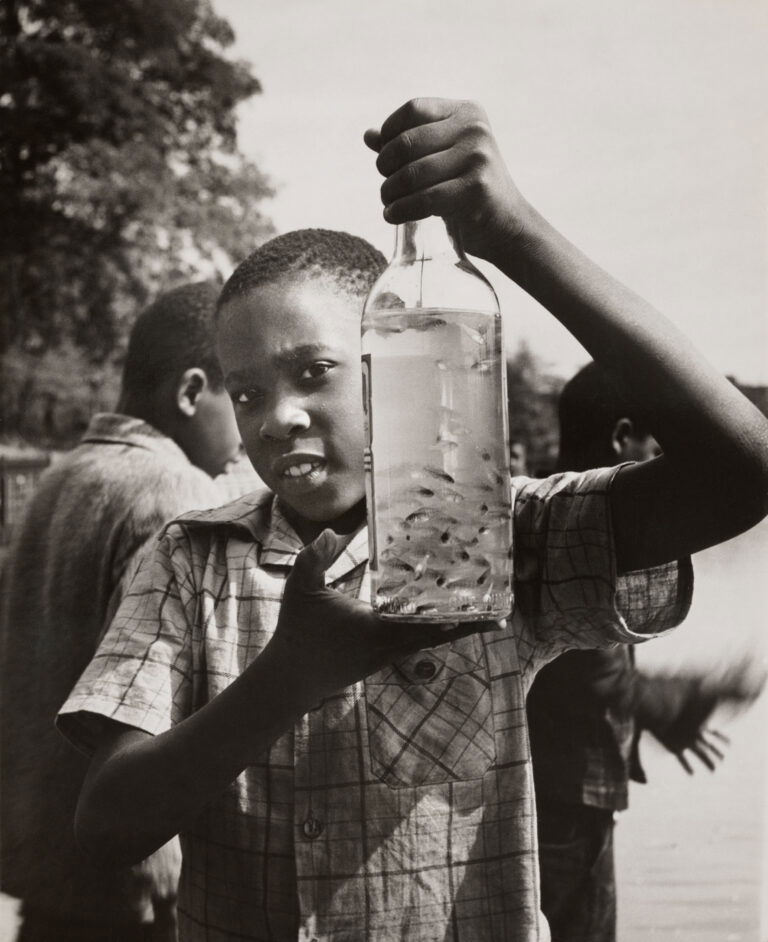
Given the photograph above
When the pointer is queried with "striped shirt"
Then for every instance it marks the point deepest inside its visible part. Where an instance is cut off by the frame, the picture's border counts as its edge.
(402, 807)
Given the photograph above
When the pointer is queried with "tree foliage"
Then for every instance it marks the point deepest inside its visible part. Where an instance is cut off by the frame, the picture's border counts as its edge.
(532, 394)
(120, 171)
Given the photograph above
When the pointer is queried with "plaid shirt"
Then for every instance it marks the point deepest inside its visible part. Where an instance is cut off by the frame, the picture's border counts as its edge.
(400, 808)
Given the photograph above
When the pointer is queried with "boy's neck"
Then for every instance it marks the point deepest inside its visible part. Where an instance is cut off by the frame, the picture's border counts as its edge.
(308, 530)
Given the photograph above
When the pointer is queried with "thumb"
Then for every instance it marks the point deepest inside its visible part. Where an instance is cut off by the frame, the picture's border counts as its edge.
(372, 138)
(316, 557)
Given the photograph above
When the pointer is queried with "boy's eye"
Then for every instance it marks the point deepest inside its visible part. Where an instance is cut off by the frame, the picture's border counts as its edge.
(244, 397)
(316, 370)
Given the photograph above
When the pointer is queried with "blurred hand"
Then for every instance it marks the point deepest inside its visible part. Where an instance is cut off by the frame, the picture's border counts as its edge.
(440, 158)
(677, 708)
(330, 641)
(707, 746)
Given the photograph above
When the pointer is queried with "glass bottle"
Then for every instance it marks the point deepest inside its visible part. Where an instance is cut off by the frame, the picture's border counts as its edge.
(437, 479)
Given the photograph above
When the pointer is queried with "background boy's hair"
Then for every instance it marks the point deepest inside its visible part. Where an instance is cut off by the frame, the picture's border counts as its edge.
(351, 262)
(590, 405)
(172, 335)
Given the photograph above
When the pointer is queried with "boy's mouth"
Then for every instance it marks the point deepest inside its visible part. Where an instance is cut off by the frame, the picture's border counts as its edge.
(302, 470)
(299, 469)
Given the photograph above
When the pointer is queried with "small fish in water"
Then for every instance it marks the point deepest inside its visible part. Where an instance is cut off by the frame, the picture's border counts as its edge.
(390, 587)
(420, 491)
(440, 475)
(453, 497)
(420, 567)
(430, 515)
(495, 478)
(472, 333)
(399, 565)
(418, 535)
(445, 443)
(479, 487)
(427, 322)
(468, 583)
(427, 608)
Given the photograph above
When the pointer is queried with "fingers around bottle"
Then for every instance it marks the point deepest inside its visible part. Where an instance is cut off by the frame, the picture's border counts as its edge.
(414, 113)
(422, 174)
(416, 143)
(372, 138)
(444, 199)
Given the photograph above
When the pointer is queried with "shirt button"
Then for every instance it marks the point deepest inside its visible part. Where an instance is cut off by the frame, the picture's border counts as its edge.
(425, 669)
(312, 828)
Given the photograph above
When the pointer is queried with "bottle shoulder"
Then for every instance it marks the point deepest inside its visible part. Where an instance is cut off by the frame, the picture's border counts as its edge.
(434, 284)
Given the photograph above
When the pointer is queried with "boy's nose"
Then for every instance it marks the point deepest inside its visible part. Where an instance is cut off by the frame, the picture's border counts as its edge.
(284, 421)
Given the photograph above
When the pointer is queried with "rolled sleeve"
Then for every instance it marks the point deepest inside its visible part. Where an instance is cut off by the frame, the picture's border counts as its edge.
(142, 673)
(567, 591)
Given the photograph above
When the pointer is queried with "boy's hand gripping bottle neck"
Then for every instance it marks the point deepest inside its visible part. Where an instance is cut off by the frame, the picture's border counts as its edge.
(437, 456)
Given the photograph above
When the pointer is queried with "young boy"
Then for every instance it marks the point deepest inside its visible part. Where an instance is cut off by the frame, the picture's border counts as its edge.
(330, 779)
(135, 469)
(587, 709)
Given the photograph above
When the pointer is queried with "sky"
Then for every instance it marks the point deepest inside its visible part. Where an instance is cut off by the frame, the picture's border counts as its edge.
(640, 130)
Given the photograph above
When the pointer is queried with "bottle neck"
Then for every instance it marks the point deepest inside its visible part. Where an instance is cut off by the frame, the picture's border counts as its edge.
(424, 239)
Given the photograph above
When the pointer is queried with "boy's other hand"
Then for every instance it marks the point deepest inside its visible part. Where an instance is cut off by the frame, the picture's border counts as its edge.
(328, 641)
(440, 158)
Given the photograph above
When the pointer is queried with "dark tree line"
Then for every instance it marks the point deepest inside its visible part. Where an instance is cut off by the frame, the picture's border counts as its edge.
(120, 176)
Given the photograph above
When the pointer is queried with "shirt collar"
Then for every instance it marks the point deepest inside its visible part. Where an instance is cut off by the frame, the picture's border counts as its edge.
(281, 546)
(115, 429)
(262, 517)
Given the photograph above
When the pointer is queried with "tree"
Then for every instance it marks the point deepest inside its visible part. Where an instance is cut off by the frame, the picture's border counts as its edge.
(532, 394)
(120, 170)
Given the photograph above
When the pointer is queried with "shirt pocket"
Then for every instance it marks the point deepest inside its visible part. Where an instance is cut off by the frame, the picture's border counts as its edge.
(430, 717)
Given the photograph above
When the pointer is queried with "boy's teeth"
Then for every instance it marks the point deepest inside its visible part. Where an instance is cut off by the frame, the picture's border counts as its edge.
(299, 470)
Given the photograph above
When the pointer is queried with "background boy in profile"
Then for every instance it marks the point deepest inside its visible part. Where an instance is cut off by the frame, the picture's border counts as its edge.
(587, 709)
(133, 470)
(329, 778)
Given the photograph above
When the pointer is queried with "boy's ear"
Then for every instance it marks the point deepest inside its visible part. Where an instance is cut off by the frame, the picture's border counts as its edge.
(623, 432)
(191, 386)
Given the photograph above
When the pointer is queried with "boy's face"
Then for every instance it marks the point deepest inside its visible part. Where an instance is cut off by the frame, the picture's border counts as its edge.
(290, 352)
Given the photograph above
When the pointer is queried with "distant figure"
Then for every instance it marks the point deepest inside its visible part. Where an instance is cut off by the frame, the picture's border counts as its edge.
(133, 470)
(587, 709)
(518, 458)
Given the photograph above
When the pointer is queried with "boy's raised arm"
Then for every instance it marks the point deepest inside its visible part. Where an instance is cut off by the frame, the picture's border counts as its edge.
(439, 157)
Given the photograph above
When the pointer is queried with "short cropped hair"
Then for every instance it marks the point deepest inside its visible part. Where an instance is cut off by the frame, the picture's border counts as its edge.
(172, 335)
(590, 405)
(349, 261)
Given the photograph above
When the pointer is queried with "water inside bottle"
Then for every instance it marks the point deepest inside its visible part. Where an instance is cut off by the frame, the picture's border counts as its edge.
(438, 477)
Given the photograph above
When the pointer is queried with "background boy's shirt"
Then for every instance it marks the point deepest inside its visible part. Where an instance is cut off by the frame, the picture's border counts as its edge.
(90, 514)
(584, 750)
(400, 808)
